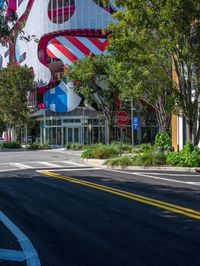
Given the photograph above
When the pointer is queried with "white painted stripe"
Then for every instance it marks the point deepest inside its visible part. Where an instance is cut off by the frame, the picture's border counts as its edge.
(21, 166)
(93, 48)
(152, 177)
(163, 173)
(72, 48)
(68, 170)
(194, 183)
(29, 251)
(59, 55)
(50, 164)
(7, 170)
(72, 163)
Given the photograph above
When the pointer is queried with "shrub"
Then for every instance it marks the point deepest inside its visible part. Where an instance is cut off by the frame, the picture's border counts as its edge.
(123, 161)
(76, 146)
(127, 148)
(163, 139)
(37, 146)
(149, 158)
(101, 151)
(68, 145)
(44, 146)
(188, 157)
(105, 151)
(33, 145)
(11, 145)
(87, 153)
(142, 148)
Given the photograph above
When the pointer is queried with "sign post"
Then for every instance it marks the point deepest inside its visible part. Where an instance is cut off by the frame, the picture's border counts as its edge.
(122, 120)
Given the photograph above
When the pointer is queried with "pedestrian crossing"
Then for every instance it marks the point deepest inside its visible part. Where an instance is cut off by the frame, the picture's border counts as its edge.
(5, 167)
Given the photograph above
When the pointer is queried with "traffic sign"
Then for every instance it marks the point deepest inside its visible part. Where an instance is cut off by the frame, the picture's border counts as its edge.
(122, 119)
(135, 122)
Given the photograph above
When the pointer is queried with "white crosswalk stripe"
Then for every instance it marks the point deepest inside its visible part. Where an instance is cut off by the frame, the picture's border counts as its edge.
(37, 165)
(50, 164)
(21, 166)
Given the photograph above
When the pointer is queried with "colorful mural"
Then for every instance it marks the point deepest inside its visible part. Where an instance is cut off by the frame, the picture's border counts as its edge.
(65, 30)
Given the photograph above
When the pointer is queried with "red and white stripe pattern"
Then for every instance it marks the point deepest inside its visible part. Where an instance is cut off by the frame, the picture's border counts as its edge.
(71, 48)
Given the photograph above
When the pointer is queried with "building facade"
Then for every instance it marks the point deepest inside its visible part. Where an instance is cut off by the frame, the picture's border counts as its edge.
(49, 36)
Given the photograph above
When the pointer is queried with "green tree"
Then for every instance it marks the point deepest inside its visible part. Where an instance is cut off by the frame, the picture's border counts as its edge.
(95, 83)
(157, 33)
(5, 21)
(15, 83)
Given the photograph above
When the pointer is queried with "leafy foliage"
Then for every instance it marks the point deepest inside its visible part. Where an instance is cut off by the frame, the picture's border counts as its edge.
(5, 22)
(163, 139)
(94, 76)
(188, 157)
(73, 146)
(15, 83)
(11, 145)
(149, 158)
(123, 161)
(147, 37)
(100, 151)
(38, 146)
(142, 148)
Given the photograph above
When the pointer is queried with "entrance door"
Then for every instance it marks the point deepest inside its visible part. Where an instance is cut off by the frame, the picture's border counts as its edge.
(72, 135)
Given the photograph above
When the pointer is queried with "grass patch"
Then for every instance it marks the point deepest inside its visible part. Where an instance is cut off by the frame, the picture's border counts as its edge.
(123, 161)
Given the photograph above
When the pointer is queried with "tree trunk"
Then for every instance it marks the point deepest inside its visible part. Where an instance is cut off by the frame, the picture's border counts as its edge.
(189, 131)
(163, 121)
(197, 139)
(108, 130)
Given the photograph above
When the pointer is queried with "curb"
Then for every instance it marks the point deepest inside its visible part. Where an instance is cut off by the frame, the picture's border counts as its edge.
(99, 163)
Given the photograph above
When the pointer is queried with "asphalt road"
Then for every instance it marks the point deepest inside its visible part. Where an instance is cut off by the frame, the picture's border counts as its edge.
(84, 217)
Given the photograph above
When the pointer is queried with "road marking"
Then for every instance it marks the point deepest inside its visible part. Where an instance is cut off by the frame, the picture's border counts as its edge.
(154, 177)
(167, 174)
(72, 163)
(69, 169)
(136, 197)
(7, 170)
(194, 183)
(49, 164)
(21, 166)
(29, 252)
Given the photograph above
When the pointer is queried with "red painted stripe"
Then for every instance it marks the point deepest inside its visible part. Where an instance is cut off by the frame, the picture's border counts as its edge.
(101, 46)
(78, 44)
(64, 50)
(50, 53)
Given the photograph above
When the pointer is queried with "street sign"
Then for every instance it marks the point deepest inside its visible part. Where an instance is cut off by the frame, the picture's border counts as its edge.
(135, 122)
(122, 119)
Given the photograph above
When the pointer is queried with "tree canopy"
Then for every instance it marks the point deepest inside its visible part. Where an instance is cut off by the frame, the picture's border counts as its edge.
(15, 83)
(149, 39)
(95, 82)
(5, 20)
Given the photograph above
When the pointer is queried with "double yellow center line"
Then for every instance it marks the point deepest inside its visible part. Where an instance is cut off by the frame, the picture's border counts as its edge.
(146, 200)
